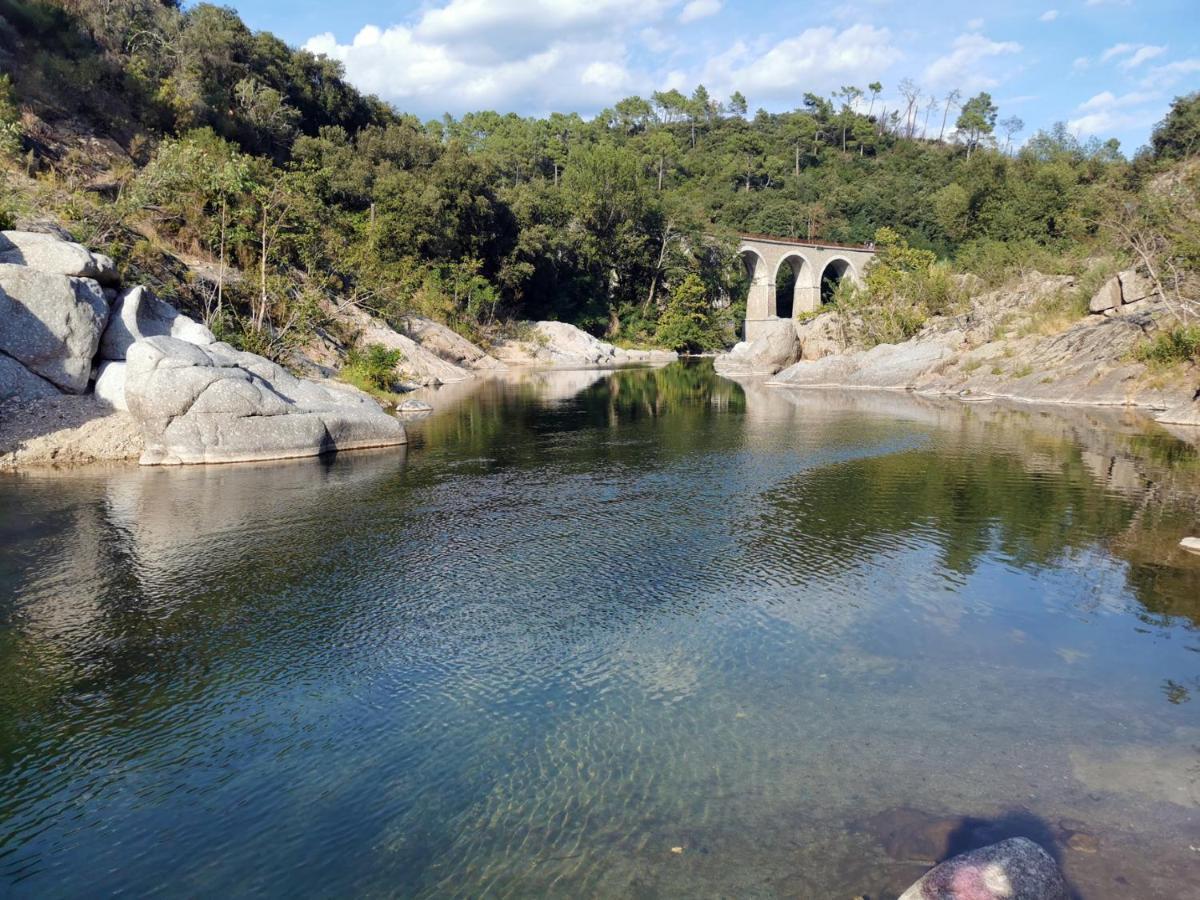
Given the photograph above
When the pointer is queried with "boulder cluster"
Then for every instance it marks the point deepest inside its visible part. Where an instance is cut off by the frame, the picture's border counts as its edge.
(66, 327)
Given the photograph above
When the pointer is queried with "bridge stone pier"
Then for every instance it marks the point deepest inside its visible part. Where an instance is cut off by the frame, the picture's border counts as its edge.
(816, 268)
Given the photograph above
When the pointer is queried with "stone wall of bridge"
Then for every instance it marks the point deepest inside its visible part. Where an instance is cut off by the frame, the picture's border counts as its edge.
(810, 262)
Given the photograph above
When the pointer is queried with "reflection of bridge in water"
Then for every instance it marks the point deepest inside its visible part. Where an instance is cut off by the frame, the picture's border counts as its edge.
(813, 270)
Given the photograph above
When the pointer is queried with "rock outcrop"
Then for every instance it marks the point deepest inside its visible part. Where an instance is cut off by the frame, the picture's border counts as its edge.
(217, 404)
(50, 254)
(1015, 869)
(777, 347)
(1125, 288)
(1000, 349)
(138, 315)
(558, 345)
(449, 345)
(51, 323)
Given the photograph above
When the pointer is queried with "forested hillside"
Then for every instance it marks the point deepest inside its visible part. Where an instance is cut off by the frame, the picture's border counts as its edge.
(154, 132)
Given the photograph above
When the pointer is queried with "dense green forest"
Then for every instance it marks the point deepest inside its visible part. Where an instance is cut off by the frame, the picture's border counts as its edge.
(146, 126)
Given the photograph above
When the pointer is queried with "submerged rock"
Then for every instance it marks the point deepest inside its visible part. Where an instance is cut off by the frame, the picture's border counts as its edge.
(216, 404)
(414, 407)
(1015, 869)
(51, 324)
(1191, 543)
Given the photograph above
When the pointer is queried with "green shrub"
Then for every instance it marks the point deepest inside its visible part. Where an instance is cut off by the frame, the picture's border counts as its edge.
(1179, 345)
(687, 323)
(372, 368)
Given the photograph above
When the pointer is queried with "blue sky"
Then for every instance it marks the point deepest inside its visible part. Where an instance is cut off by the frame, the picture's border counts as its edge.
(1107, 67)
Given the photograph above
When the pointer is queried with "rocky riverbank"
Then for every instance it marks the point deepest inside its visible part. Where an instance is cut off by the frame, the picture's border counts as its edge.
(1002, 347)
(91, 370)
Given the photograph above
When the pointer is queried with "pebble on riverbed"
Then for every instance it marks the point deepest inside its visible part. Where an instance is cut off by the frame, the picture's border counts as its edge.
(1191, 543)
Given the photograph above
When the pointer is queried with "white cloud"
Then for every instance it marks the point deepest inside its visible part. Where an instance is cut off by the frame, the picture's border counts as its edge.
(1107, 100)
(1133, 54)
(818, 59)
(699, 9)
(1107, 112)
(1048, 16)
(1171, 74)
(963, 66)
(531, 55)
(974, 24)
(1081, 63)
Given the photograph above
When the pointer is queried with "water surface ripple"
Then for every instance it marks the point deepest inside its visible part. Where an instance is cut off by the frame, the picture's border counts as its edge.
(634, 634)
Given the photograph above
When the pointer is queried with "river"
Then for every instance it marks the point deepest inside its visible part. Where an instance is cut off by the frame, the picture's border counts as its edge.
(632, 634)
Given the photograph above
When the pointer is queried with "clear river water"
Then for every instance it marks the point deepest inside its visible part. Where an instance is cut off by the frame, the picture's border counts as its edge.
(631, 634)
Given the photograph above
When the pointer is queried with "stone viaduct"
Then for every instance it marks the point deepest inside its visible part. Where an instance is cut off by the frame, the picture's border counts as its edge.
(815, 267)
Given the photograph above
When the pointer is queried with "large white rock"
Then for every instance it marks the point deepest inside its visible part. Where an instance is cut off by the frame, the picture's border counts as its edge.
(51, 324)
(110, 385)
(560, 345)
(776, 346)
(1135, 286)
(138, 314)
(54, 256)
(218, 404)
(1108, 297)
(1015, 869)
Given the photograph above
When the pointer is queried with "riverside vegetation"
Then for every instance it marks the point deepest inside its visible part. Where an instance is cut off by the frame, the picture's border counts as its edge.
(252, 184)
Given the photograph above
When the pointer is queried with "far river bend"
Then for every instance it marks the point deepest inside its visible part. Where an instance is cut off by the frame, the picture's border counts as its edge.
(631, 634)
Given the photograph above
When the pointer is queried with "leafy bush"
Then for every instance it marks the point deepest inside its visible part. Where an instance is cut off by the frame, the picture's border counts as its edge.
(902, 288)
(371, 369)
(687, 323)
(1178, 345)
(10, 120)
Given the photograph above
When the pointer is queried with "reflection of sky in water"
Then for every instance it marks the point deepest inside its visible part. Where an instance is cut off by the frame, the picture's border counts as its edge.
(579, 624)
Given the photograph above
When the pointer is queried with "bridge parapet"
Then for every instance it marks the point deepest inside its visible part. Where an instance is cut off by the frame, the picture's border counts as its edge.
(816, 265)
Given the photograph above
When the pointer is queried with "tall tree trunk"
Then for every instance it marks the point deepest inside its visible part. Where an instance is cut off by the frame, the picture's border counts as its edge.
(262, 276)
(221, 273)
(945, 116)
(661, 160)
(797, 159)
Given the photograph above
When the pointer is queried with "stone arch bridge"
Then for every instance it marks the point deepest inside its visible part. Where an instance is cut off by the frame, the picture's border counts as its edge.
(814, 269)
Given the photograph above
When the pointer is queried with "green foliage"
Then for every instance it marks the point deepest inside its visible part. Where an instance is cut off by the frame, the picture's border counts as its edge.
(260, 158)
(372, 368)
(977, 120)
(903, 287)
(687, 322)
(10, 120)
(1178, 135)
(1177, 345)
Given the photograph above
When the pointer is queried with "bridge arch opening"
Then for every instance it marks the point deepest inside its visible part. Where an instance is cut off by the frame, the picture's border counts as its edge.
(760, 299)
(831, 276)
(791, 280)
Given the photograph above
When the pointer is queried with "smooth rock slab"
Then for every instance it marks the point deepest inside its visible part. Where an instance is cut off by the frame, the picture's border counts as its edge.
(219, 405)
(138, 314)
(1015, 869)
(51, 324)
(1191, 543)
(54, 256)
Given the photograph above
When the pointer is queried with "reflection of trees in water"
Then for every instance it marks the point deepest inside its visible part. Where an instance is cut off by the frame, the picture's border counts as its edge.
(508, 421)
(1007, 491)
